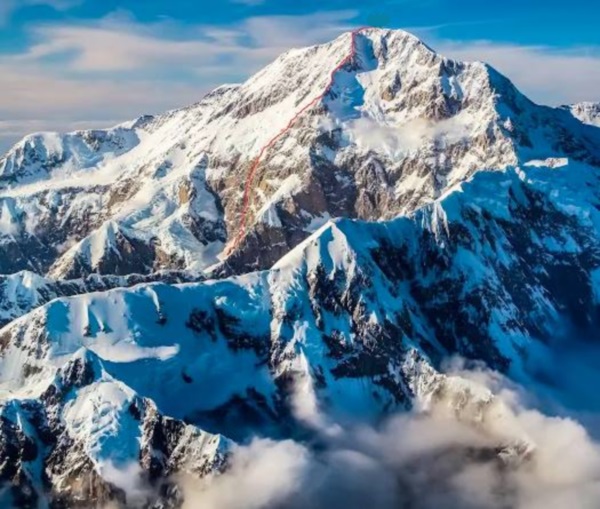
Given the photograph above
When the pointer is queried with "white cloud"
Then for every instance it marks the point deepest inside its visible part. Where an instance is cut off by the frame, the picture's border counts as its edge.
(398, 140)
(263, 474)
(446, 456)
(118, 43)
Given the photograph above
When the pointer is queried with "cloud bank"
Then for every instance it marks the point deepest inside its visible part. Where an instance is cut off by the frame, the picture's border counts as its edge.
(464, 451)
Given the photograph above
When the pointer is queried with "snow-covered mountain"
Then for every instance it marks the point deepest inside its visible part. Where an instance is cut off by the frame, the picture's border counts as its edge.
(423, 208)
(398, 126)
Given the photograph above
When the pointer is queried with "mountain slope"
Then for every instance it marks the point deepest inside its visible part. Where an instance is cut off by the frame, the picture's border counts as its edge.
(587, 112)
(348, 319)
(91, 438)
(24, 291)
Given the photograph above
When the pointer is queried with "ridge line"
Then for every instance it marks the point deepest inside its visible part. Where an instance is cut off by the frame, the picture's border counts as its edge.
(256, 163)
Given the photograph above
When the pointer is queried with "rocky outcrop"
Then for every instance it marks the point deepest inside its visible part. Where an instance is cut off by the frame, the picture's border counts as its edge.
(56, 452)
(586, 112)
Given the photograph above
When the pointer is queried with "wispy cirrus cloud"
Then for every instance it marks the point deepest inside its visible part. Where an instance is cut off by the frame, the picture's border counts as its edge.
(118, 43)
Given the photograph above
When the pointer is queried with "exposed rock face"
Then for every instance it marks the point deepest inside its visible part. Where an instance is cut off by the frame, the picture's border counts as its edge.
(89, 441)
(423, 209)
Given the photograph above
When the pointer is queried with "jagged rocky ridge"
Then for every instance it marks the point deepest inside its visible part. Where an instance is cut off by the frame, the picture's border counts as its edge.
(586, 112)
(63, 448)
(485, 245)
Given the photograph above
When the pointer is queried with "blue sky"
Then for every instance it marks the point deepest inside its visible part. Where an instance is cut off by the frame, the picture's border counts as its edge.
(67, 64)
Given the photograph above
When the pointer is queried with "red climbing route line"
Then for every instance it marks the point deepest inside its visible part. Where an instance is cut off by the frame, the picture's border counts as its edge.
(256, 163)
